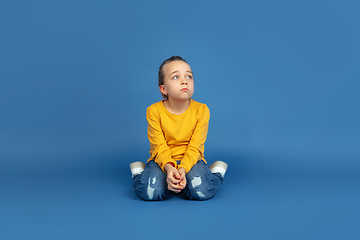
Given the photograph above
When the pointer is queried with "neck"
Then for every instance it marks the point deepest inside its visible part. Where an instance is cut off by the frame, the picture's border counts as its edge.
(177, 106)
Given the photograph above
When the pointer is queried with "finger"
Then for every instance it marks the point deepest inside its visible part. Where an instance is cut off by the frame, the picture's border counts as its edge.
(173, 189)
(173, 180)
(175, 186)
(177, 175)
(182, 171)
(182, 176)
(173, 174)
(183, 182)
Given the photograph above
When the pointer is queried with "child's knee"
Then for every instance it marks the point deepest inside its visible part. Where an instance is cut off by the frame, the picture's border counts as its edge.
(149, 189)
(201, 188)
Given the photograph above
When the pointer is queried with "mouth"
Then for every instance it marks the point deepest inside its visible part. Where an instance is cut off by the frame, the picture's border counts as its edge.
(184, 90)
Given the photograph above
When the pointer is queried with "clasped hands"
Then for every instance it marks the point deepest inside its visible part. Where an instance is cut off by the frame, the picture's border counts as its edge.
(176, 178)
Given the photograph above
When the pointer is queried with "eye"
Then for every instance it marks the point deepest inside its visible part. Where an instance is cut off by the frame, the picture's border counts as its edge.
(175, 77)
(189, 77)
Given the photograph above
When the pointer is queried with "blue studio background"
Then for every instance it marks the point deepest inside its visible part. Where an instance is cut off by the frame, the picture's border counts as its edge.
(280, 79)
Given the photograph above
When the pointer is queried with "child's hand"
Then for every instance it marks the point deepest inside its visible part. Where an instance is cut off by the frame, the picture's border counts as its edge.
(182, 173)
(173, 178)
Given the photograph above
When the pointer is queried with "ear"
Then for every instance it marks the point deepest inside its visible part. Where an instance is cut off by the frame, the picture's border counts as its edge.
(162, 89)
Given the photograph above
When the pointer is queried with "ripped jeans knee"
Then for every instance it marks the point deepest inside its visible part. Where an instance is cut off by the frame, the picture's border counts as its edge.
(151, 185)
(201, 183)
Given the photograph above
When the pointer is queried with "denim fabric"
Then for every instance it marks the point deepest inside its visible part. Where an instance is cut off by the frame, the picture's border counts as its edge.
(151, 183)
(201, 184)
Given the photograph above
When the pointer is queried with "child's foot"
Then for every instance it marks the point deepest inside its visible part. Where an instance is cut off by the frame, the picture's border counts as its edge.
(219, 167)
(136, 168)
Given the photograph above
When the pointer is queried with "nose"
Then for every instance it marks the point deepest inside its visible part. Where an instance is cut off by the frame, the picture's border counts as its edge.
(184, 82)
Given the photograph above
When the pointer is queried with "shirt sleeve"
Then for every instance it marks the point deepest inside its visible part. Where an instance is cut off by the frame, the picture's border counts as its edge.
(159, 149)
(195, 148)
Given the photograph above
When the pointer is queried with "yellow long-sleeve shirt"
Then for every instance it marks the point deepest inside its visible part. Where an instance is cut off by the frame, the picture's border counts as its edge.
(177, 137)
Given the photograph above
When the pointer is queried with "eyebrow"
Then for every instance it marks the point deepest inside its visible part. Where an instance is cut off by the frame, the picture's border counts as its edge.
(178, 71)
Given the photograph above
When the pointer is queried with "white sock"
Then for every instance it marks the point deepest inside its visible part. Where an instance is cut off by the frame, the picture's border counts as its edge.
(136, 171)
(220, 170)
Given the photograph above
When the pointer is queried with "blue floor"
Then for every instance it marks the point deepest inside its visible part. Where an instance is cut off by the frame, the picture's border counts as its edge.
(97, 202)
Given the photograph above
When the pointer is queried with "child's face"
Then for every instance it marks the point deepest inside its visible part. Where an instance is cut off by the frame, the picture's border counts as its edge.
(178, 81)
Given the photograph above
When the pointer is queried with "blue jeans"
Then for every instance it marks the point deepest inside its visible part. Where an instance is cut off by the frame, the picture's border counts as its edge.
(201, 184)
